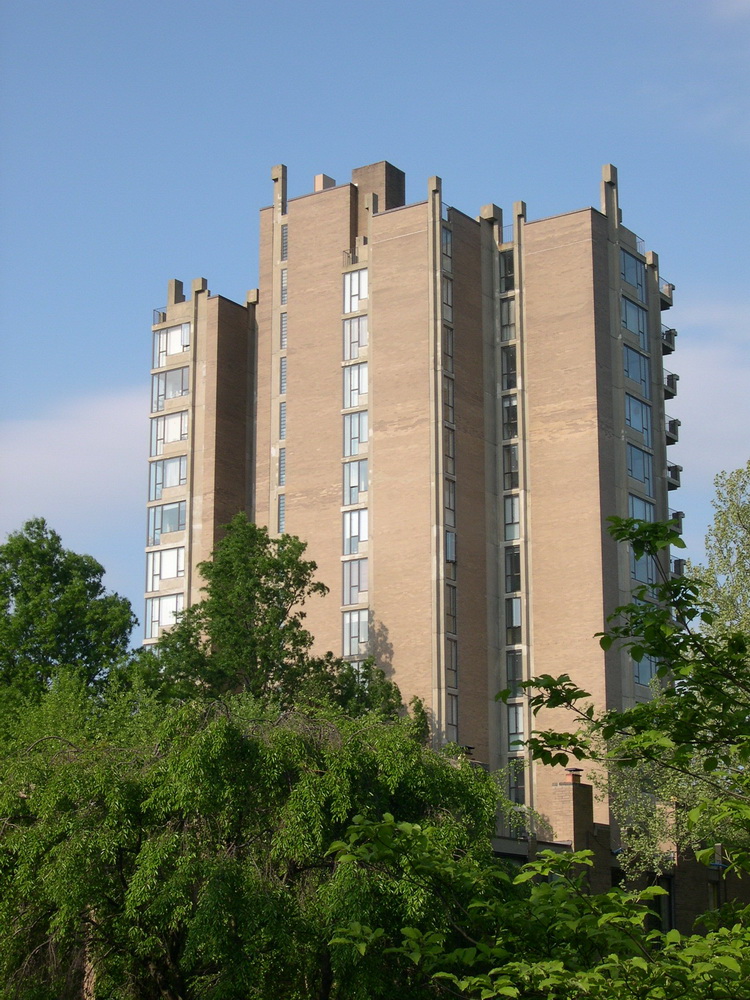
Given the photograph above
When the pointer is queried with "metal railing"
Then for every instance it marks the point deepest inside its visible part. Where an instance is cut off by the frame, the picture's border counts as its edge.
(160, 316)
(351, 257)
(507, 233)
(668, 335)
(670, 384)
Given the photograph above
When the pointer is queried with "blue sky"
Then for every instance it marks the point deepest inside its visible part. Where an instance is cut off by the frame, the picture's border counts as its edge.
(139, 139)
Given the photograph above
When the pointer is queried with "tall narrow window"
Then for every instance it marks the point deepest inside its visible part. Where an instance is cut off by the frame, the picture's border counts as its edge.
(284, 241)
(451, 720)
(447, 299)
(283, 331)
(507, 271)
(635, 319)
(355, 481)
(641, 467)
(512, 569)
(282, 421)
(451, 663)
(448, 348)
(638, 417)
(641, 509)
(512, 507)
(508, 319)
(637, 369)
(509, 373)
(282, 376)
(510, 466)
(448, 399)
(447, 248)
(515, 728)
(355, 530)
(355, 433)
(450, 546)
(355, 581)
(512, 620)
(284, 286)
(282, 466)
(449, 442)
(450, 503)
(355, 290)
(355, 633)
(510, 417)
(514, 672)
(355, 337)
(282, 513)
(355, 384)
(451, 603)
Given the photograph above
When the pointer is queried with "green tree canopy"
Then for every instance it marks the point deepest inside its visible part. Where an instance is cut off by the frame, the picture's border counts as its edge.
(55, 612)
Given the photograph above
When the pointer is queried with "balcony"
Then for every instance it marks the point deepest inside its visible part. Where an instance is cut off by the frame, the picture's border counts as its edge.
(672, 430)
(666, 291)
(677, 567)
(678, 517)
(670, 384)
(160, 316)
(667, 339)
(673, 477)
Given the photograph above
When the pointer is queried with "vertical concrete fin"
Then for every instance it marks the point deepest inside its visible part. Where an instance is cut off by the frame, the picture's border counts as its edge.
(278, 176)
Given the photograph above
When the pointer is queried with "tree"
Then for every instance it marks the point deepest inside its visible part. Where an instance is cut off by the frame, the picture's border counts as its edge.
(727, 575)
(181, 851)
(55, 613)
(248, 632)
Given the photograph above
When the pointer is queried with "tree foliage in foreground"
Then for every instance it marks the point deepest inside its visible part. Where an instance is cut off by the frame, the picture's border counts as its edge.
(55, 613)
(183, 852)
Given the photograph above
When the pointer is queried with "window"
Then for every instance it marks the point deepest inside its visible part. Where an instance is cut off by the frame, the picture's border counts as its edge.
(638, 418)
(282, 513)
(165, 564)
(641, 509)
(508, 365)
(355, 384)
(644, 569)
(355, 581)
(448, 299)
(284, 286)
(451, 717)
(282, 421)
(165, 519)
(514, 672)
(516, 780)
(447, 248)
(282, 376)
(512, 517)
(450, 546)
(165, 473)
(449, 441)
(448, 399)
(451, 663)
(355, 337)
(355, 633)
(173, 340)
(284, 241)
(646, 669)
(161, 612)
(282, 466)
(448, 348)
(355, 290)
(512, 569)
(355, 530)
(449, 493)
(283, 331)
(508, 319)
(510, 417)
(168, 429)
(635, 319)
(633, 271)
(355, 433)
(515, 728)
(512, 621)
(168, 385)
(355, 481)
(450, 608)
(641, 467)
(510, 466)
(638, 369)
(507, 271)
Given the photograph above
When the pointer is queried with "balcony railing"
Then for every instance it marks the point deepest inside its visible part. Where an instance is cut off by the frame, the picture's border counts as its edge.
(351, 257)
(670, 384)
(668, 335)
(672, 430)
(673, 477)
(445, 212)
(666, 289)
(677, 567)
(640, 246)
(507, 235)
(677, 516)
(160, 316)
